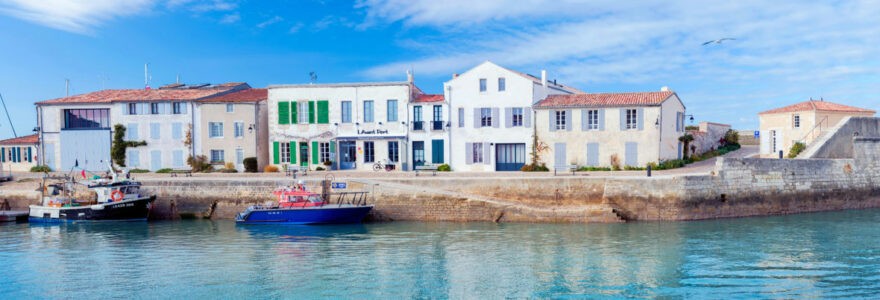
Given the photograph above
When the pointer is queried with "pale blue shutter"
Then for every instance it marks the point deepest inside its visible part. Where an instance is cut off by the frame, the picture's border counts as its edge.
(486, 153)
(677, 121)
(132, 132)
(177, 158)
(559, 153)
(469, 153)
(155, 160)
(527, 117)
(602, 120)
(641, 119)
(632, 154)
(176, 130)
(552, 119)
(496, 117)
(622, 119)
(568, 120)
(593, 154)
(508, 117)
(476, 117)
(584, 120)
(154, 131)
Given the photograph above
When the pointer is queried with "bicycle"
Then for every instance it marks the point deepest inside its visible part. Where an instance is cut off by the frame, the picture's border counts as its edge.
(378, 166)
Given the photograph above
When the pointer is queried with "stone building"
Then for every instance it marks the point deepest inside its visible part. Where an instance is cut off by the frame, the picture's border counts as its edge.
(593, 129)
(492, 121)
(234, 126)
(707, 137)
(429, 130)
(349, 126)
(803, 122)
(77, 130)
(19, 154)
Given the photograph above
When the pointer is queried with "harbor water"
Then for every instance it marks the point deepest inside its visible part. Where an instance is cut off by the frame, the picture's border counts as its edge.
(824, 255)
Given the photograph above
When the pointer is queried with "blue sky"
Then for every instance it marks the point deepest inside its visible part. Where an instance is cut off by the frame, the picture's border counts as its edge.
(785, 51)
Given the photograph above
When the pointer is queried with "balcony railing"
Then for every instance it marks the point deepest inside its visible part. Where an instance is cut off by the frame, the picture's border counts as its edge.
(418, 125)
(436, 125)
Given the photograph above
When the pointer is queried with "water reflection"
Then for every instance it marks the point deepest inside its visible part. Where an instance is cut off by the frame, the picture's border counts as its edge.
(817, 255)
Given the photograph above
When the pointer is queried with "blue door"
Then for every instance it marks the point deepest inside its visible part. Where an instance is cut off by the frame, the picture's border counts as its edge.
(348, 155)
(510, 157)
(418, 154)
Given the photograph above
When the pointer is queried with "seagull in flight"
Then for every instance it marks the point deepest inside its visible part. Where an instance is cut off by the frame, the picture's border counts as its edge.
(718, 41)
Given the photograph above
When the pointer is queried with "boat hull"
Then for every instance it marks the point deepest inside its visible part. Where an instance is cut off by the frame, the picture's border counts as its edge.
(328, 214)
(122, 211)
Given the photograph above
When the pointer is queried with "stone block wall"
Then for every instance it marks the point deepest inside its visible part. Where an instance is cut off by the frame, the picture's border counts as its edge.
(837, 143)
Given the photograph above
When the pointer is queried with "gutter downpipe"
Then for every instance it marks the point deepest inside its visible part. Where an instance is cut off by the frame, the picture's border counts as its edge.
(449, 119)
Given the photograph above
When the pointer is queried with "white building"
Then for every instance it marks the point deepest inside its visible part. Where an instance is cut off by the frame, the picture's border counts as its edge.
(342, 125)
(608, 129)
(492, 122)
(429, 130)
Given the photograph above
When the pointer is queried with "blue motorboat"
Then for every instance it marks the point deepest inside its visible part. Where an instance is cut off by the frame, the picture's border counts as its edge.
(296, 205)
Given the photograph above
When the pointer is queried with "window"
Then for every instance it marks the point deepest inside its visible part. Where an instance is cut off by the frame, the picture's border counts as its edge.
(323, 152)
(215, 129)
(478, 153)
(516, 117)
(460, 117)
(772, 141)
(346, 111)
(179, 108)
(239, 129)
(501, 84)
(217, 156)
(393, 152)
(285, 152)
(132, 109)
(369, 152)
(417, 113)
(303, 114)
(86, 118)
(437, 123)
(392, 111)
(368, 111)
(631, 117)
(482, 84)
(154, 108)
(239, 156)
(560, 120)
(797, 121)
(592, 119)
(230, 108)
(485, 117)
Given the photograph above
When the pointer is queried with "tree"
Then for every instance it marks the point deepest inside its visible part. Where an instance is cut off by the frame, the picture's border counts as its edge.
(117, 151)
(687, 138)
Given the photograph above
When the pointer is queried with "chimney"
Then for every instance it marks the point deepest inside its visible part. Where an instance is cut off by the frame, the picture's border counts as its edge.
(544, 78)
(664, 89)
(454, 75)
(409, 76)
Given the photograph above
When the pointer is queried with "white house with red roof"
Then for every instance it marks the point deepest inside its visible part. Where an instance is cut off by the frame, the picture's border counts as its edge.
(803, 122)
(608, 129)
(491, 116)
(19, 154)
(77, 130)
(429, 129)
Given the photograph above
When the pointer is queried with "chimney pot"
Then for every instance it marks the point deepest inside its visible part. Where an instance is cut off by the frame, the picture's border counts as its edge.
(544, 78)
(454, 75)
(664, 89)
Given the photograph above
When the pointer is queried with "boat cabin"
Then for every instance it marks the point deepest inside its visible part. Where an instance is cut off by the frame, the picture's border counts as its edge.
(117, 191)
(298, 197)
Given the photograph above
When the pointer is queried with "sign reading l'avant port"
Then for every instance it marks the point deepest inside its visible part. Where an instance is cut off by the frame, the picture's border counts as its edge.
(338, 185)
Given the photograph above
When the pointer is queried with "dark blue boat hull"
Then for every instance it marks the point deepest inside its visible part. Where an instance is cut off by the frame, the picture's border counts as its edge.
(324, 215)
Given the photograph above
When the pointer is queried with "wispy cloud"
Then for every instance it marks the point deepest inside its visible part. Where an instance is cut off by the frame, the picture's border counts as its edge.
(203, 5)
(296, 27)
(271, 21)
(77, 16)
(230, 18)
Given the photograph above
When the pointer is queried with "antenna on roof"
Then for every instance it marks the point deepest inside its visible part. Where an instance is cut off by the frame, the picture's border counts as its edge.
(66, 87)
(178, 78)
(313, 77)
(147, 76)
(102, 78)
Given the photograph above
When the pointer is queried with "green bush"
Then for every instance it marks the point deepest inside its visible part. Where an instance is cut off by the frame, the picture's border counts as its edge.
(731, 137)
(199, 164)
(631, 168)
(40, 169)
(228, 170)
(165, 170)
(796, 149)
(250, 164)
(319, 168)
(139, 171)
(444, 168)
(592, 169)
(535, 168)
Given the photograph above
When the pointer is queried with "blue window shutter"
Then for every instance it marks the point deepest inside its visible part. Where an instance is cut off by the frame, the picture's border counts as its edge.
(583, 120)
(677, 122)
(568, 120)
(477, 117)
(154, 131)
(527, 117)
(508, 117)
(552, 118)
(30, 157)
(132, 132)
(602, 120)
(176, 130)
(469, 153)
(496, 116)
(622, 119)
(2, 154)
(641, 118)
(486, 153)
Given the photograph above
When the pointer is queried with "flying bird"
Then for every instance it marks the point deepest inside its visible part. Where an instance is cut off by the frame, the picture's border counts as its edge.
(718, 41)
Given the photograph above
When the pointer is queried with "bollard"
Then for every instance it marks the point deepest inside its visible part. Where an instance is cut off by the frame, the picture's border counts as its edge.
(780, 154)
(649, 170)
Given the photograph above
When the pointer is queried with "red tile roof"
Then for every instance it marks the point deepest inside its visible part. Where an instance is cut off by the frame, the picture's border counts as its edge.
(28, 139)
(429, 98)
(248, 95)
(817, 105)
(605, 99)
(107, 96)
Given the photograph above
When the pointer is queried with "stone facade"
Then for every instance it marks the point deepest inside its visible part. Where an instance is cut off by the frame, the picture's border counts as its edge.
(707, 137)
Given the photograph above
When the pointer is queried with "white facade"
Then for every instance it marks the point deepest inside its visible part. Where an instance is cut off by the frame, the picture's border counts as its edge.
(82, 146)
(492, 120)
(429, 131)
(353, 125)
(163, 125)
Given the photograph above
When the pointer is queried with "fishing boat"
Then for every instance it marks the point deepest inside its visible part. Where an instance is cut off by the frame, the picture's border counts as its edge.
(115, 198)
(297, 205)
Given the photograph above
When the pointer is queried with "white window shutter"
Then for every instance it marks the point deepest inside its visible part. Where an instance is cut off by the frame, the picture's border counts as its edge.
(641, 118)
(486, 153)
(552, 118)
(583, 120)
(602, 120)
(527, 117)
(469, 153)
(476, 117)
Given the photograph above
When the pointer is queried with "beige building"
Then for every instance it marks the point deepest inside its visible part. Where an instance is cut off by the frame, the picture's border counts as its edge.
(19, 154)
(590, 129)
(233, 127)
(802, 122)
(707, 137)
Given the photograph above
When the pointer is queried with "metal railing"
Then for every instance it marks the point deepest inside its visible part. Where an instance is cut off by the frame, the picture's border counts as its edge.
(812, 134)
(436, 125)
(418, 125)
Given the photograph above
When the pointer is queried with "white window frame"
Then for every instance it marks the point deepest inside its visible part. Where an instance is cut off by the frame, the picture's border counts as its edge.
(593, 119)
(132, 109)
(477, 153)
(560, 119)
(632, 119)
(285, 152)
(485, 117)
(230, 107)
(303, 112)
(222, 156)
(391, 112)
(345, 111)
(369, 112)
(154, 108)
(393, 152)
(484, 85)
(323, 152)
(238, 129)
(502, 84)
(219, 133)
(516, 115)
(369, 152)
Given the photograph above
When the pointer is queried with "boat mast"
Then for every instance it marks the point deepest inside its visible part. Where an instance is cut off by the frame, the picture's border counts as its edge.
(7, 116)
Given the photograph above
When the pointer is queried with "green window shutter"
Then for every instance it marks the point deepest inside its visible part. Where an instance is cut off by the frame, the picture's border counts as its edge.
(276, 159)
(311, 112)
(323, 112)
(2, 154)
(293, 111)
(437, 151)
(332, 149)
(284, 112)
(29, 156)
(293, 150)
(315, 152)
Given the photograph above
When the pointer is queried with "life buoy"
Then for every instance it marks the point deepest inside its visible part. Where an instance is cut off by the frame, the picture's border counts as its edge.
(116, 196)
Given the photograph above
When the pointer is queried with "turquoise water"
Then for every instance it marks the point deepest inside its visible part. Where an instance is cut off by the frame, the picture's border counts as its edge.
(835, 254)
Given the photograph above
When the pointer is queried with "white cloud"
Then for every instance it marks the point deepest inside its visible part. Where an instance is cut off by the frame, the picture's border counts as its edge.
(296, 27)
(230, 18)
(77, 16)
(202, 5)
(271, 21)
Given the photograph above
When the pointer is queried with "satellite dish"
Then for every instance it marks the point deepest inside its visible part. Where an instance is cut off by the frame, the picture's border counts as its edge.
(313, 76)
